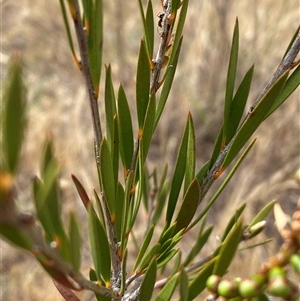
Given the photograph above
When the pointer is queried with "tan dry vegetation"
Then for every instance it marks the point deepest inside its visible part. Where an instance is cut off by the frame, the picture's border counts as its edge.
(57, 105)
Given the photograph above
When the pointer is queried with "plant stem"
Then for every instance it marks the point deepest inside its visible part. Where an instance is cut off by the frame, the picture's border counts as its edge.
(85, 68)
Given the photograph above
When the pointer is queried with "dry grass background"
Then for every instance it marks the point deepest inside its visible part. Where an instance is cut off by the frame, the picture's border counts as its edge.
(57, 105)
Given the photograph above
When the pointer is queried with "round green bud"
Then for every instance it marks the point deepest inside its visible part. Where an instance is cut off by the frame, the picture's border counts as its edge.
(261, 297)
(276, 272)
(227, 289)
(259, 279)
(295, 262)
(279, 287)
(249, 288)
(212, 283)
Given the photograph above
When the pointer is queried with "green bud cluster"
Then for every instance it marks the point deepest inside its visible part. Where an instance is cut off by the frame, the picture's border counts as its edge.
(275, 283)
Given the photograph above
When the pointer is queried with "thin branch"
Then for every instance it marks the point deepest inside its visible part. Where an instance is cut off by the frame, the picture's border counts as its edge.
(85, 68)
(158, 61)
(286, 64)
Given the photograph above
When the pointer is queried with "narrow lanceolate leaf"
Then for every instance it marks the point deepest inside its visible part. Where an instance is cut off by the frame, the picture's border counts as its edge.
(228, 249)
(119, 209)
(67, 26)
(189, 206)
(99, 246)
(148, 129)
(168, 80)
(149, 29)
(148, 281)
(166, 257)
(153, 252)
(291, 84)
(191, 155)
(167, 291)
(14, 115)
(124, 273)
(256, 117)
(125, 129)
(233, 221)
(292, 41)
(110, 108)
(75, 242)
(142, 84)
(184, 286)
(144, 247)
(238, 103)
(107, 177)
(230, 80)
(262, 213)
(81, 191)
(161, 200)
(17, 236)
(178, 32)
(178, 175)
(203, 172)
(198, 284)
(200, 242)
(94, 26)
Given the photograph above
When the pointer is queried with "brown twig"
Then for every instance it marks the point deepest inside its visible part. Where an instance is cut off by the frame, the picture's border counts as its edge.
(86, 72)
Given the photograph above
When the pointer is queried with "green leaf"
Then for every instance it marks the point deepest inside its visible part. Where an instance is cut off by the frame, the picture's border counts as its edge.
(149, 29)
(167, 291)
(203, 172)
(147, 286)
(231, 74)
(233, 221)
(14, 114)
(238, 103)
(262, 213)
(147, 258)
(168, 80)
(161, 197)
(253, 121)
(99, 247)
(199, 244)
(178, 175)
(191, 154)
(126, 210)
(142, 84)
(167, 233)
(124, 273)
(125, 129)
(17, 236)
(228, 249)
(166, 257)
(144, 247)
(184, 286)
(107, 177)
(147, 129)
(94, 26)
(178, 33)
(67, 26)
(291, 42)
(291, 84)
(119, 210)
(110, 108)
(75, 242)
(198, 284)
(81, 191)
(188, 207)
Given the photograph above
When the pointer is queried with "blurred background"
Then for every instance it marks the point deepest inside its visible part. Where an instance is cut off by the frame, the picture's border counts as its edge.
(57, 106)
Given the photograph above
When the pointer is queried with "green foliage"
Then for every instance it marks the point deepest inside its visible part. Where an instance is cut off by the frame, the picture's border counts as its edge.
(176, 192)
